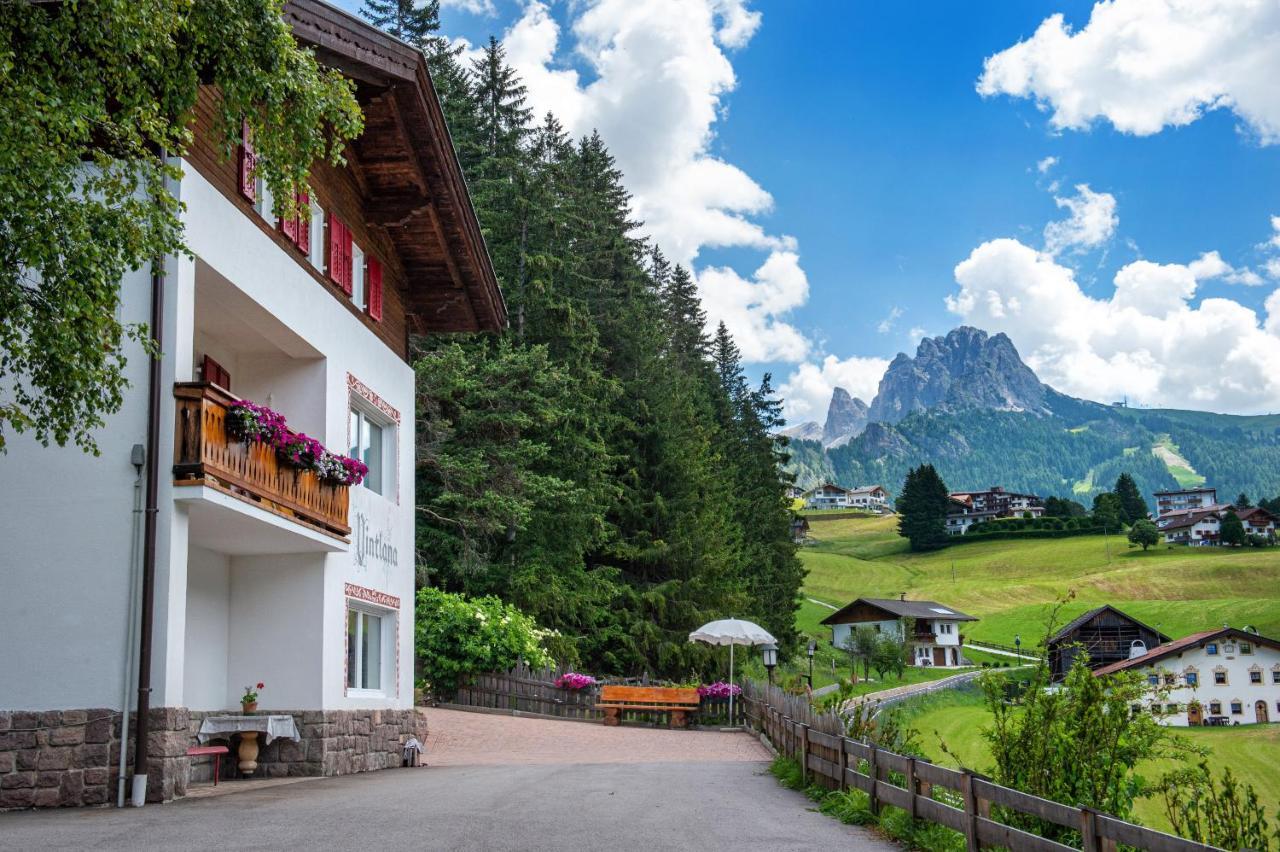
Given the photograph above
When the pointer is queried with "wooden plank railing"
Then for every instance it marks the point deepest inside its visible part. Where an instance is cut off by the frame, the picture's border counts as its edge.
(960, 800)
(204, 454)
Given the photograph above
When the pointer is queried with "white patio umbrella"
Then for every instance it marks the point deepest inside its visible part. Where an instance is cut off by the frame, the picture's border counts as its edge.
(732, 631)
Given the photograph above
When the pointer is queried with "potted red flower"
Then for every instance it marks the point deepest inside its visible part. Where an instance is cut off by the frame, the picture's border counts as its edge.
(249, 701)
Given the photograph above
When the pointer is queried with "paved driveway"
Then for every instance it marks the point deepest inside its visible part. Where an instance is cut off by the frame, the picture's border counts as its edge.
(565, 788)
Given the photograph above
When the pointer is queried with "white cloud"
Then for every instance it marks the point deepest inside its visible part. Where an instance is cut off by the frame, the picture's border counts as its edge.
(1092, 221)
(659, 77)
(807, 391)
(1144, 65)
(475, 7)
(1274, 241)
(1147, 341)
(886, 325)
(752, 309)
(1047, 163)
(1272, 267)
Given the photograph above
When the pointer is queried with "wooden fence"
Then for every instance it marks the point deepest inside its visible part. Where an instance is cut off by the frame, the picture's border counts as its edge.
(960, 800)
(532, 692)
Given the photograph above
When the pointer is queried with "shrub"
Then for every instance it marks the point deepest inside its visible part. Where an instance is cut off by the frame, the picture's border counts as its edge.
(1223, 813)
(456, 637)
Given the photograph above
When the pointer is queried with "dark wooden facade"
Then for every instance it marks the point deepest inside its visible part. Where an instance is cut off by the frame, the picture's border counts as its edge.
(401, 191)
(1105, 633)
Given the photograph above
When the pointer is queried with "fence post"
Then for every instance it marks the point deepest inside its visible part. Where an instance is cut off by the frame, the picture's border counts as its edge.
(788, 733)
(970, 813)
(1092, 841)
(844, 763)
(873, 770)
(804, 752)
(911, 788)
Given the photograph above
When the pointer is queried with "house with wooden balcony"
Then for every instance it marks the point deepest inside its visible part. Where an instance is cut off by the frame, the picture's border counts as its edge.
(931, 629)
(283, 545)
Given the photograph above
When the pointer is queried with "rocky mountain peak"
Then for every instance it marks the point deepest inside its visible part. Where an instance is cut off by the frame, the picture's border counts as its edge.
(965, 369)
(846, 418)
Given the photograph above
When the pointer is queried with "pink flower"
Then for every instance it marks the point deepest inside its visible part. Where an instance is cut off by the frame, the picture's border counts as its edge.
(573, 680)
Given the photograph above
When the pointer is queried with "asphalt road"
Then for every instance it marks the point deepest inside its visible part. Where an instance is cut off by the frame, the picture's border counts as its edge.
(704, 806)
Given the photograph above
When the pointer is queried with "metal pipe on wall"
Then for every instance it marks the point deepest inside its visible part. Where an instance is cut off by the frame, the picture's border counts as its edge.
(138, 457)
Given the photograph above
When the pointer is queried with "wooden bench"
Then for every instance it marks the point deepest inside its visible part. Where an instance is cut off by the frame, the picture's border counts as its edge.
(677, 701)
(214, 751)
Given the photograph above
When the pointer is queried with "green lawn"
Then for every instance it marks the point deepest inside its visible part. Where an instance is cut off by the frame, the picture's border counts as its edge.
(1012, 585)
(955, 718)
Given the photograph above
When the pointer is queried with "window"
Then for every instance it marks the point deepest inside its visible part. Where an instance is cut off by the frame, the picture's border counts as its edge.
(263, 201)
(1171, 708)
(1135, 709)
(317, 235)
(1255, 677)
(1193, 679)
(1220, 678)
(1154, 680)
(1275, 676)
(1211, 649)
(366, 635)
(1237, 709)
(358, 294)
(369, 445)
(1170, 680)
(1155, 709)
(1215, 708)
(1246, 648)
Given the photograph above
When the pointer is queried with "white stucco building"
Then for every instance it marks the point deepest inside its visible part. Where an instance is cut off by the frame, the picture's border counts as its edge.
(934, 636)
(1223, 676)
(872, 498)
(262, 572)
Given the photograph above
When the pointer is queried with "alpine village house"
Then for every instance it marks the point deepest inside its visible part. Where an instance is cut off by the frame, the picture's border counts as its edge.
(934, 632)
(247, 570)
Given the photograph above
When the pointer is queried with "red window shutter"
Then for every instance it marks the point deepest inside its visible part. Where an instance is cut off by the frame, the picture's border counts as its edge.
(340, 254)
(374, 282)
(248, 181)
(304, 223)
(214, 374)
(290, 227)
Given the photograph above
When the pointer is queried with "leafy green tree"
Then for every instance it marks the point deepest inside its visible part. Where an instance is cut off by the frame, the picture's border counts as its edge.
(1079, 745)
(1061, 507)
(922, 509)
(1223, 813)
(1144, 533)
(861, 645)
(90, 94)
(1132, 506)
(1108, 513)
(890, 655)
(1232, 529)
(456, 637)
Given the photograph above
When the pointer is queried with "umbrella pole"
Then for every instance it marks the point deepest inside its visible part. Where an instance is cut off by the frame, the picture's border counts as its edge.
(730, 684)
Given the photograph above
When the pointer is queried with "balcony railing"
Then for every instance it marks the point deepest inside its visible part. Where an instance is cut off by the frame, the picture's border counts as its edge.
(205, 454)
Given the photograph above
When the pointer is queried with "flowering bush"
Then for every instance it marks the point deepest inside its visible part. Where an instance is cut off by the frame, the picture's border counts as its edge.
(573, 680)
(719, 689)
(253, 423)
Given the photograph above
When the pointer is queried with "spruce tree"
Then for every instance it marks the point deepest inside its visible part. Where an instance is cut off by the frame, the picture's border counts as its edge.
(1108, 513)
(1242, 501)
(412, 21)
(922, 509)
(1132, 506)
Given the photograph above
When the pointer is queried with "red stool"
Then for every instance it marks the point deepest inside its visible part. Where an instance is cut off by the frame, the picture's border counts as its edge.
(214, 751)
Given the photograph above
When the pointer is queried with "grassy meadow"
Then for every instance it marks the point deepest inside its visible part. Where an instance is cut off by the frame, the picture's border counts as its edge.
(1012, 586)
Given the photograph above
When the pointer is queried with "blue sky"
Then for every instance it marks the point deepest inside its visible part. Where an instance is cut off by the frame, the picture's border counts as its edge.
(826, 167)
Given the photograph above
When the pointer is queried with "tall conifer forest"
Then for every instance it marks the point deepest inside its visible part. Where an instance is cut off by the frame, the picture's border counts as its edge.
(604, 464)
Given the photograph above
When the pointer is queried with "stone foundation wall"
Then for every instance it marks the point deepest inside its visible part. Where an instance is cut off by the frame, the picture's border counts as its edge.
(58, 757)
(69, 757)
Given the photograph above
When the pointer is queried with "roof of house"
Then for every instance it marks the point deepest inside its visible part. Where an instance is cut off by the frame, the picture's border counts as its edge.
(408, 168)
(829, 486)
(1189, 519)
(1261, 515)
(902, 609)
(866, 489)
(1204, 490)
(1178, 645)
(1084, 617)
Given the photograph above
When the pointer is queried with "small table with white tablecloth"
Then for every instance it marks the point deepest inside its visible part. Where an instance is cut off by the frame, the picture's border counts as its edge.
(271, 726)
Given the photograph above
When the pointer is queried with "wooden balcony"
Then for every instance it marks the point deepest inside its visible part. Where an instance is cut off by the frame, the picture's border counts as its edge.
(204, 454)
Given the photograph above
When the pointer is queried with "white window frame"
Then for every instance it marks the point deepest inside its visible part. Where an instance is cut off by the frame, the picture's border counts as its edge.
(387, 670)
(318, 242)
(359, 293)
(263, 201)
(390, 437)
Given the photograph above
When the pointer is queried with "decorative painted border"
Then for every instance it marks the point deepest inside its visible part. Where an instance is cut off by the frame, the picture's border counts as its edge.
(372, 596)
(366, 393)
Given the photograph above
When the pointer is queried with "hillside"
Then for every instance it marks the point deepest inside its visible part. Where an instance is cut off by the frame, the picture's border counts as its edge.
(967, 404)
(1012, 585)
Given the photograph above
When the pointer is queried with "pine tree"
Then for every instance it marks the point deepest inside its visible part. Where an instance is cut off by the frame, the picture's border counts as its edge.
(922, 509)
(1232, 529)
(1108, 512)
(412, 21)
(1242, 501)
(1132, 506)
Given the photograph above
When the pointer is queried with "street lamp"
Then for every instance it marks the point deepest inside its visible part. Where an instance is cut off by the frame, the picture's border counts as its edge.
(813, 648)
(1017, 644)
(770, 654)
